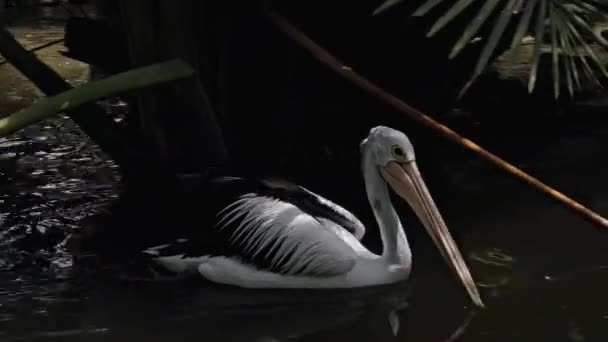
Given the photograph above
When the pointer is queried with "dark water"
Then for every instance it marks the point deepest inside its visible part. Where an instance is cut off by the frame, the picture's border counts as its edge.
(543, 272)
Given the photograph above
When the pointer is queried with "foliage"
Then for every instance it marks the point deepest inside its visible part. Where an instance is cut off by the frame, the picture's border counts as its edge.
(564, 25)
(131, 80)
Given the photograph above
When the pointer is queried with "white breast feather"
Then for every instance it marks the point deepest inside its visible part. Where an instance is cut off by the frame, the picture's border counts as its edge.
(297, 238)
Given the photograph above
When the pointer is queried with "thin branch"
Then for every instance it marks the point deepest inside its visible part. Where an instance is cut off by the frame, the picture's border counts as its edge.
(348, 73)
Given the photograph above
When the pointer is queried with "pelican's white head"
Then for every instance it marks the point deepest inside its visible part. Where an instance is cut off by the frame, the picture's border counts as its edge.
(392, 152)
(388, 145)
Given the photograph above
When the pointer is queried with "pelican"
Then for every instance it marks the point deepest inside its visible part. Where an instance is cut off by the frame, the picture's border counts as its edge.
(275, 234)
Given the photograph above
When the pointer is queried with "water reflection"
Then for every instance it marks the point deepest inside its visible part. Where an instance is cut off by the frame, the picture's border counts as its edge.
(102, 309)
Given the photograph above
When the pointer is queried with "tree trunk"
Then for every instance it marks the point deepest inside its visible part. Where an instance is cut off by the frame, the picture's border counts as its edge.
(177, 120)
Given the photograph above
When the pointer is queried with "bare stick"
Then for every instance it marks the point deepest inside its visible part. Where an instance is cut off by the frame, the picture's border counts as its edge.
(348, 73)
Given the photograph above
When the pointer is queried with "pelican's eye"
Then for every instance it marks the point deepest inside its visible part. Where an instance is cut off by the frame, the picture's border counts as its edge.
(397, 152)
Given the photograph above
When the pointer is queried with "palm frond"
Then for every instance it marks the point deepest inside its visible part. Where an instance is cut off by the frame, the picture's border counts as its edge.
(497, 33)
(554, 52)
(458, 7)
(524, 24)
(473, 28)
(563, 25)
(568, 60)
(539, 34)
(385, 6)
(427, 7)
(586, 67)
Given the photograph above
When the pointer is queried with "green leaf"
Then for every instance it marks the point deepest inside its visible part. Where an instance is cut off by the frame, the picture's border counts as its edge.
(580, 22)
(539, 32)
(426, 7)
(588, 49)
(497, 33)
(554, 51)
(573, 66)
(586, 67)
(385, 6)
(131, 80)
(473, 27)
(569, 53)
(565, 19)
(570, 41)
(568, 71)
(458, 7)
(522, 27)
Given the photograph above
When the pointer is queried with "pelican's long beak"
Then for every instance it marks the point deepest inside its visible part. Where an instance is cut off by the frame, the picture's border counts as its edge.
(406, 181)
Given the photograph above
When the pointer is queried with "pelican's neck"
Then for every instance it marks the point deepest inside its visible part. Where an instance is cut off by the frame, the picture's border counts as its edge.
(396, 249)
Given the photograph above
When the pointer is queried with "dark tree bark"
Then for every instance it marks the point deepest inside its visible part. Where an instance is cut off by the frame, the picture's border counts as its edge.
(177, 120)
